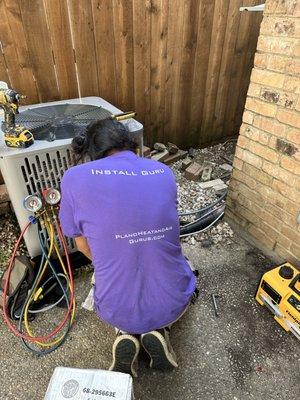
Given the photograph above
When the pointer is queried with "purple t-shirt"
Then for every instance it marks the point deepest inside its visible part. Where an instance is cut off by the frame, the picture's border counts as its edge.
(125, 206)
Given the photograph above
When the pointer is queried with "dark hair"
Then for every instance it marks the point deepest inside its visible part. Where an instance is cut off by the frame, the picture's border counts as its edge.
(101, 137)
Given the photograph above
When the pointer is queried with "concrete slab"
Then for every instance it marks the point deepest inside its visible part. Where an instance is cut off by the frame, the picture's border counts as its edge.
(242, 355)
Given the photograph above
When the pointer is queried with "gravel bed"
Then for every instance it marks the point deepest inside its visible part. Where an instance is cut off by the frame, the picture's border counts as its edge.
(192, 197)
(9, 232)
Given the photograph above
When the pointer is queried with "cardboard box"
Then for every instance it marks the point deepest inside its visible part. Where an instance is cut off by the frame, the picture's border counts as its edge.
(89, 384)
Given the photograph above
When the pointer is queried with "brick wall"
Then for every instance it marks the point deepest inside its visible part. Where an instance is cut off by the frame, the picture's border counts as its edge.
(264, 194)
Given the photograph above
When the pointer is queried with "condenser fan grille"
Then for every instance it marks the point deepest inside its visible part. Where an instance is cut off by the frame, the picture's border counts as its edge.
(62, 121)
(45, 170)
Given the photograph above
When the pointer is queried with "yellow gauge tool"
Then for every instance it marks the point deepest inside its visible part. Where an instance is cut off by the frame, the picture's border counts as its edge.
(123, 116)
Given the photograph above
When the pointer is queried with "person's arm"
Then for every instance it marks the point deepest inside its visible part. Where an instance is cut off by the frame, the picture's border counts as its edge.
(83, 247)
(70, 226)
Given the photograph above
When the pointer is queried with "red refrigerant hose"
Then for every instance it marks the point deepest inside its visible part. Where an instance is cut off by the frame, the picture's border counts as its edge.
(5, 290)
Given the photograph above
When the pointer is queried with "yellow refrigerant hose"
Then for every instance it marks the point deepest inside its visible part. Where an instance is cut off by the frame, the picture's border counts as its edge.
(34, 296)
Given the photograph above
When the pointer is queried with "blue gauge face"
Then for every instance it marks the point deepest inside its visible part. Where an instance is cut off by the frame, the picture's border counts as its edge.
(32, 203)
(52, 196)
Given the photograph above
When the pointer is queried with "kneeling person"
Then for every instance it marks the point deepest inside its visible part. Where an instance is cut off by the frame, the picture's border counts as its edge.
(122, 211)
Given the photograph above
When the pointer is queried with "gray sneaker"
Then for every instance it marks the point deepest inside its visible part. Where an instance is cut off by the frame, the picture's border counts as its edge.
(125, 352)
(157, 345)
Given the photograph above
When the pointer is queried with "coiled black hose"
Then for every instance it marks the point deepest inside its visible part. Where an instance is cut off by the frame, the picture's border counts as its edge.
(207, 217)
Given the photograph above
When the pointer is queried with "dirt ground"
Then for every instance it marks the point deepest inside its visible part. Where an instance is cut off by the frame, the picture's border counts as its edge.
(243, 354)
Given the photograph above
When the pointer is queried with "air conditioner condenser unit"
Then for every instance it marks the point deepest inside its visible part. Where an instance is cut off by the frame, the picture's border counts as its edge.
(42, 165)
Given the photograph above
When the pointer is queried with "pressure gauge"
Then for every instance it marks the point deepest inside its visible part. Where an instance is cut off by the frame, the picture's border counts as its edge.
(32, 203)
(52, 196)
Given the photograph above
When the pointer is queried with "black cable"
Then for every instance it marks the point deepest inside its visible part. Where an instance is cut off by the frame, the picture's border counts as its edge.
(199, 219)
(201, 210)
(202, 224)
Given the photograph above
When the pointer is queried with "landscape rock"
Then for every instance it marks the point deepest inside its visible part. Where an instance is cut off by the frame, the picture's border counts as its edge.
(160, 147)
(220, 187)
(193, 172)
(226, 167)
(185, 163)
(211, 184)
(206, 173)
(175, 157)
(192, 152)
(172, 148)
(207, 243)
(161, 156)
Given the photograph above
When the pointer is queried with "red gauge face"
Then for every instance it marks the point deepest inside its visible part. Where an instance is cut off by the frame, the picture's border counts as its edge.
(52, 196)
(32, 203)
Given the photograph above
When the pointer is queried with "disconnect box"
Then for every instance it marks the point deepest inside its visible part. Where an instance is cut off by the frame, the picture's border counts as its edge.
(89, 384)
(41, 166)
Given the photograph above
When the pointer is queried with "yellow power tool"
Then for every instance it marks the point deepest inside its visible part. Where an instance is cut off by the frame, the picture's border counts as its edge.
(14, 135)
(279, 291)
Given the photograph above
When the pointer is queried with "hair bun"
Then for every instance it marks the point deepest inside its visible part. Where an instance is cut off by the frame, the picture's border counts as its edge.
(79, 144)
(80, 140)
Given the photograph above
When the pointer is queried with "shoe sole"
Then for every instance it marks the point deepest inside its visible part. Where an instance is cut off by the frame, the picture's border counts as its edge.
(125, 351)
(156, 346)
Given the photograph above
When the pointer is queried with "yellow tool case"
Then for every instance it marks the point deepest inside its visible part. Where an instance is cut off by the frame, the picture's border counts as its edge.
(279, 291)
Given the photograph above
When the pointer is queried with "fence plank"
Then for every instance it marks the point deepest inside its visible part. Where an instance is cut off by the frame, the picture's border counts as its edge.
(188, 53)
(123, 29)
(174, 45)
(39, 45)
(219, 27)
(205, 24)
(225, 70)
(141, 53)
(158, 65)
(16, 51)
(105, 49)
(82, 26)
(246, 69)
(58, 20)
(238, 65)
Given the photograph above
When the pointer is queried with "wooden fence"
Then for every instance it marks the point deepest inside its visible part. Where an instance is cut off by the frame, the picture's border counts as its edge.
(183, 65)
